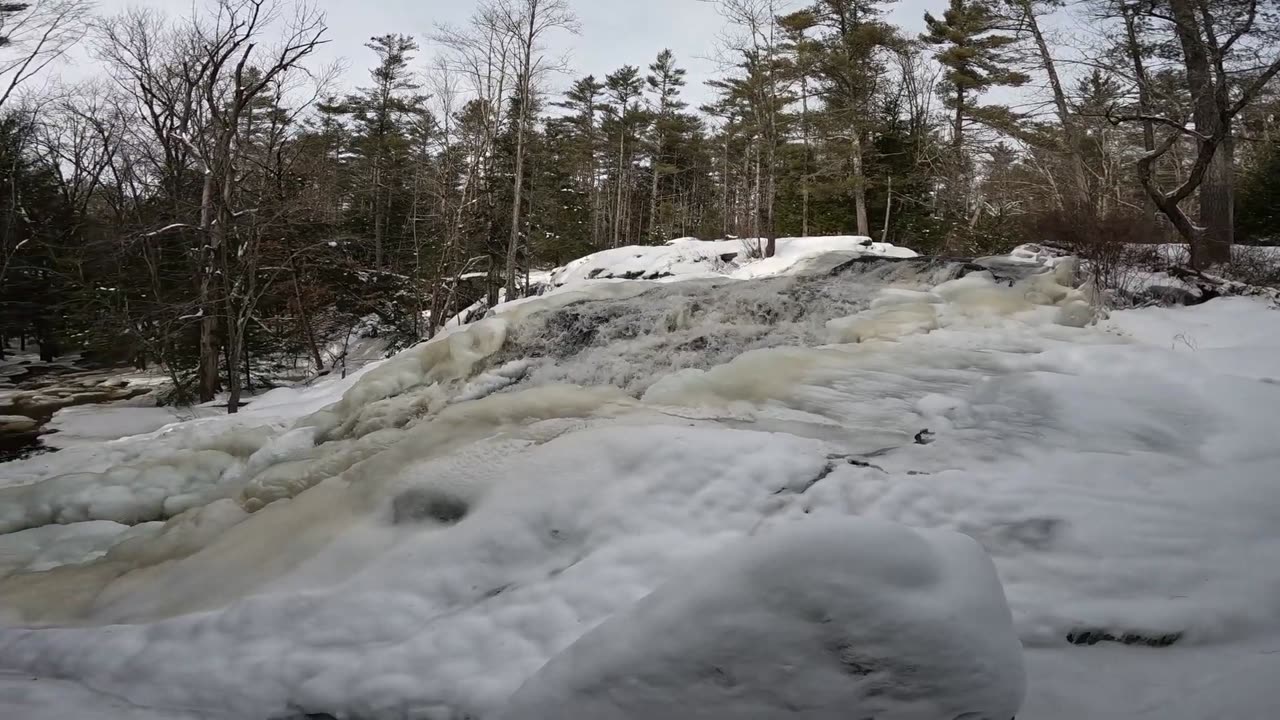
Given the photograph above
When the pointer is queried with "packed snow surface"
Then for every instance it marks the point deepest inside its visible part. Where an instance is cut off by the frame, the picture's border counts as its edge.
(824, 620)
(740, 258)
(471, 522)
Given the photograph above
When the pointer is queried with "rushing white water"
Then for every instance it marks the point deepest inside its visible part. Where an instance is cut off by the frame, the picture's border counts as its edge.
(472, 507)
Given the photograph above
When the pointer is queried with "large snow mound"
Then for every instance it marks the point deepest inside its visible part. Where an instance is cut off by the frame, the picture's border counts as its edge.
(824, 620)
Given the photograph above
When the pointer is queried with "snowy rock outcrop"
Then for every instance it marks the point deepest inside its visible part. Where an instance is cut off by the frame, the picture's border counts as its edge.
(742, 259)
(823, 620)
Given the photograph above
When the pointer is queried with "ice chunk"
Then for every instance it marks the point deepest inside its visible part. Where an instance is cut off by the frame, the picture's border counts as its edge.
(826, 619)
(888, 322)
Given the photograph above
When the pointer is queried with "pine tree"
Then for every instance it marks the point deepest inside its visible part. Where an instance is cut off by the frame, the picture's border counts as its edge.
(624, 87)
(583, 101)
(664, 82)
(850, 71)
(976, 59)
(383, 114)
(803, 54)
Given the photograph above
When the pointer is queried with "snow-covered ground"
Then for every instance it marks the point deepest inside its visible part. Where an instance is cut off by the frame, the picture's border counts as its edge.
(685, 258)
(614, 499)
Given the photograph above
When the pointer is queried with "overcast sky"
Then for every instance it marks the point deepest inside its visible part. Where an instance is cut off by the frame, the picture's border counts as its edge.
(614, 32)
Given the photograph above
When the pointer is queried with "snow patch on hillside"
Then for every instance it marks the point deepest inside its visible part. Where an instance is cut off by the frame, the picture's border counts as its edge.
(686, 258)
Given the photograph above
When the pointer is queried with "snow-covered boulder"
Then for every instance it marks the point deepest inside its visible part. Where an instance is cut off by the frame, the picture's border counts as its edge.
(823, 620)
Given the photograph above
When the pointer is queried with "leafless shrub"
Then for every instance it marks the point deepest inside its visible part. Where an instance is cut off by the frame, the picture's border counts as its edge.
(1254, 265)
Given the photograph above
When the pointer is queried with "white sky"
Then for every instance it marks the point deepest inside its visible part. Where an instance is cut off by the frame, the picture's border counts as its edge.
(614, 33)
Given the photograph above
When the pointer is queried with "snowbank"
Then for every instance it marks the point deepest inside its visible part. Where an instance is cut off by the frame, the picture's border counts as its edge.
(686, 258)
(824, 620)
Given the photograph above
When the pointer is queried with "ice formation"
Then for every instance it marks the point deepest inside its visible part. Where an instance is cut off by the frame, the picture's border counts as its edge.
(823, 620)
(423, 537)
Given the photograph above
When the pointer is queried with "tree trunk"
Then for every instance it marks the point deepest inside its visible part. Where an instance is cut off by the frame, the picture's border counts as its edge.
(755, 200)
(654, 238)
(888, 206)
(1213, 245)
(248, 365)
(234, 326)
(1144, 93)
(379, 220)
(526, 87)
(724, 192)
(207, 373)
(771, 194)
(960, 188)
(859, 186)
(593, 183)
(617, 207)
(1217, 209)
(1079, 197)
(307, 331)
(804, 177)
(234, 350)
(513, 242)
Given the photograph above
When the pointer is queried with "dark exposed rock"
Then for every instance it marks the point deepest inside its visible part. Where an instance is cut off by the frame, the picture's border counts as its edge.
(1166, 295)
(697, 344)
(822, 474)
(1086, 636)
(864, 464)
(419, 504)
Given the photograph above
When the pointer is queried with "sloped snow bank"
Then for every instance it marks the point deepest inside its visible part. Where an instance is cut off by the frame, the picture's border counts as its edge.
(823, 620)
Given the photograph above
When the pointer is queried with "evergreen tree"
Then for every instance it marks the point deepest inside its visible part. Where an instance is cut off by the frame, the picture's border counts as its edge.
(1258, 208)
(583, 102)
(383, 114)
(664, 82)
(624, 87)
(976, 58)
(850, 70)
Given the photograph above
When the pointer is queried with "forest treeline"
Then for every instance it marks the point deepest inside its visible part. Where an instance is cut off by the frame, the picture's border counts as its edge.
(216, 199)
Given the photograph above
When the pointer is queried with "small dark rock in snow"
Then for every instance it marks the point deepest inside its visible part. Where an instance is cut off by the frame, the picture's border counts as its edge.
(1166, 295)
(419, 504)
(1095, 636)
(924, 437)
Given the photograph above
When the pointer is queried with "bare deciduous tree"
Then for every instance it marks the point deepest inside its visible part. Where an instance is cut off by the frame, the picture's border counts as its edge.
(34, 35)
(1229, 58)
(527, 22)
